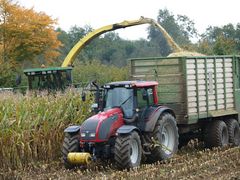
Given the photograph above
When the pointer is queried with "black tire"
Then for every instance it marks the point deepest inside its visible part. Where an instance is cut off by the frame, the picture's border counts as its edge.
(128, 151)
(166, 136)
(70, 144)
(233, 131)
(216, 134)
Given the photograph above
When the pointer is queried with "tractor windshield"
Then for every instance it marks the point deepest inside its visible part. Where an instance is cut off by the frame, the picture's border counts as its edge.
(120, 97)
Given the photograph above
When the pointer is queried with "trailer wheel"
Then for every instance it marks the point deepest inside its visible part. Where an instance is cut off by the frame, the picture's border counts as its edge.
(216, 134)
(70, 144)
(166, 138)
(128, 150)
(233, 131)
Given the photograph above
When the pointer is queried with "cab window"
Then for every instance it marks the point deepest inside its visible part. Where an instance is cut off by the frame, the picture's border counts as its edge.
(143, 102)
(150, 96)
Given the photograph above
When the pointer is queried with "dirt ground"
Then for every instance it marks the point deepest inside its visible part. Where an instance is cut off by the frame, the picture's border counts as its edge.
(190, 163)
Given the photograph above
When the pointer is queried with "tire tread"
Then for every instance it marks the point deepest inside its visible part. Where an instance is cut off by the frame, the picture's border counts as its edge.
(213, 136)
(122, 150)
(70, 144)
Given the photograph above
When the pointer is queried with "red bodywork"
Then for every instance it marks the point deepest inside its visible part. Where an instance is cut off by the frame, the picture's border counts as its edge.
(103, 116)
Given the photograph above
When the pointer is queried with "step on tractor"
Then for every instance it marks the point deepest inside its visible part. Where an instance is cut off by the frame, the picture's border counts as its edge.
(131, 127)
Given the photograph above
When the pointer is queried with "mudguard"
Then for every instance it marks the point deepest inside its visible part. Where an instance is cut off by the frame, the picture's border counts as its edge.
(72, 129)
(152, 120)
(125, 129)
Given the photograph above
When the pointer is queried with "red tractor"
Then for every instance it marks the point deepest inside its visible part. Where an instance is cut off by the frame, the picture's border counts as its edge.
(130, 127)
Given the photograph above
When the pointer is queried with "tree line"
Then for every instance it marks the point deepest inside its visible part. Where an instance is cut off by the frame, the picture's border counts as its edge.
(29, 39)
(112, 49)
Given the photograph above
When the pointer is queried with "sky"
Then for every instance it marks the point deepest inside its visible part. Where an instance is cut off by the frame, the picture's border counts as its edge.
(98, 13)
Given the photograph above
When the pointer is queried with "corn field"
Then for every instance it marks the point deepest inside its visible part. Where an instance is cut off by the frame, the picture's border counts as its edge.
(189, 163)
(31, 126)
(31, 134)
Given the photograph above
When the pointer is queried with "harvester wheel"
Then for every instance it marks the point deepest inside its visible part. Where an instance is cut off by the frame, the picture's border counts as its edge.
(70, 144)
(128, 150)
(216, 134)
(233, 131)
(165, 138)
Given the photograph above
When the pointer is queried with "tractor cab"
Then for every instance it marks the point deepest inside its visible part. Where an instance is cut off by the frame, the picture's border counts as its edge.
(131, 96)
(50, 79)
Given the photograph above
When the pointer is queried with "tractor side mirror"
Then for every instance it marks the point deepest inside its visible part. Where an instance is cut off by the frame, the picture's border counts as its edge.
(83, 96)
(144, 94)
(18, 79)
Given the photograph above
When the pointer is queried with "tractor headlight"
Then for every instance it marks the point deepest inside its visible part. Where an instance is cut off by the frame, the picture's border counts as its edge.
(83, 134)
(92, 134)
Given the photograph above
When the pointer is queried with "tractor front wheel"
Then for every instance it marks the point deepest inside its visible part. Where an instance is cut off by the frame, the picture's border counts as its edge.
(70, 144)
(128, 150)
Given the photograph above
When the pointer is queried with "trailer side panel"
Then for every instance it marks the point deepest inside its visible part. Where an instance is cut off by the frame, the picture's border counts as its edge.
(210, 87)
(169, 72)
(196, 88)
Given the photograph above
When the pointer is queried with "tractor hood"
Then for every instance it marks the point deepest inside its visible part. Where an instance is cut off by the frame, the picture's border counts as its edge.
(101, 126)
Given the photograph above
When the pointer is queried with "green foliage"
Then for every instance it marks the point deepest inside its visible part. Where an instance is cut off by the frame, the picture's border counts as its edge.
(109, 48)
(32, 126)
(221, 40)
(204, 47)
(7, 75)
(70, 38)
(224, 46)
(181, 28)
(85, 72)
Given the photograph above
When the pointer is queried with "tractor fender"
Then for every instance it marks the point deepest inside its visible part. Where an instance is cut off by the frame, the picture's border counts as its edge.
(72, 129)
(151, 123)
(125, 129)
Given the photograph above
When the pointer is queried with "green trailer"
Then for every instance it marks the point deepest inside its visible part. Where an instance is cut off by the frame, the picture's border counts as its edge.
(204, 93)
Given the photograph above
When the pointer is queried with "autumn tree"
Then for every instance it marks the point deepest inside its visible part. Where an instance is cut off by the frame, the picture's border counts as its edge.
(26, 38)
(26, 35)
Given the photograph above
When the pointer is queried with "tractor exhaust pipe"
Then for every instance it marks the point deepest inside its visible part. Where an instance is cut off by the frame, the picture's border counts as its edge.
(83, 158)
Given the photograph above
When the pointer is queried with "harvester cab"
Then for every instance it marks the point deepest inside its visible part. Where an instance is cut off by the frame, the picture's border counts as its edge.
(50, 79)
(130, 125)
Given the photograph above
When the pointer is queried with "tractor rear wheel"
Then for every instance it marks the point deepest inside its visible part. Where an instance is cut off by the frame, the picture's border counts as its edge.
(70, 144)
(233, 131)
(165, 137)
(128, 150)
(216, 134)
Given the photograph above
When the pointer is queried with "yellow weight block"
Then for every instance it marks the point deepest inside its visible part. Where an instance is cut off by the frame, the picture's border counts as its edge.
(79, 157)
